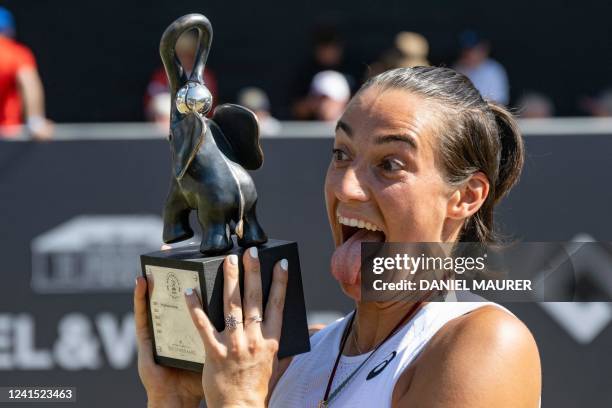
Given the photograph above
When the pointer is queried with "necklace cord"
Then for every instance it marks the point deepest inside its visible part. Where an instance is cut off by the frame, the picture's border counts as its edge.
(347, 330)
(342, 343)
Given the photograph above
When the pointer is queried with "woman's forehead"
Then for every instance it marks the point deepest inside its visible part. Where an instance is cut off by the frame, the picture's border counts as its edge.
(376, 111)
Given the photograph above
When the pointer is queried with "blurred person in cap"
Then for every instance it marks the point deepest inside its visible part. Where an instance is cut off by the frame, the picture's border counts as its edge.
(487, 75)
(534, 105)
(329, 95)
(410, 50)
(256, 100)
(21, 91)
(186, 47)
(328, 54)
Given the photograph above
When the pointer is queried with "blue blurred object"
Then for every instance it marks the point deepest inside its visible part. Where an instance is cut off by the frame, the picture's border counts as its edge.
(469, 39)
(7, 22)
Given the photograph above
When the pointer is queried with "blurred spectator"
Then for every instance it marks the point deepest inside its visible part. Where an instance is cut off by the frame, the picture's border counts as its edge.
(534, 105)
(158, 110)
(600, 106)
(410, 50)
(327, 54)
(488, 75)
(329, 94)
(256, 100)
(20, 86)
(413, 48)
(186, 47)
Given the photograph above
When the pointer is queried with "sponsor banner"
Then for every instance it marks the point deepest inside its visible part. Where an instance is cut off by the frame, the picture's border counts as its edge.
(81, 342)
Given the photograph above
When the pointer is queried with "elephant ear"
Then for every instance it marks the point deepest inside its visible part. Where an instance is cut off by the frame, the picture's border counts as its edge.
(186, 137)
(237, 135)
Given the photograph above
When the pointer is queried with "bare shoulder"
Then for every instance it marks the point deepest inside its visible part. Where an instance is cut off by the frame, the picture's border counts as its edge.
(485, 358)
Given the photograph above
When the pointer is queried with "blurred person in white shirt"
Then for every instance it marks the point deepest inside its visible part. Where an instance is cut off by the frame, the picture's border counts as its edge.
(487, 75)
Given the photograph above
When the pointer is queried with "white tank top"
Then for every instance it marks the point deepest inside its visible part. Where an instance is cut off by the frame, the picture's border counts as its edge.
(303, 383)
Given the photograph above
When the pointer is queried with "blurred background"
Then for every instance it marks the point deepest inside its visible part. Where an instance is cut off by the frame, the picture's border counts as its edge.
(84, 167)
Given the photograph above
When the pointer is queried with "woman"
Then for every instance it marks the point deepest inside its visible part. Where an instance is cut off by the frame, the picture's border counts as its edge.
(418, 156)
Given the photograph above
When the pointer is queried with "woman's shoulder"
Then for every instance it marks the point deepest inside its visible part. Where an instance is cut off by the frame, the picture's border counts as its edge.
(487, 328)
(485, 355)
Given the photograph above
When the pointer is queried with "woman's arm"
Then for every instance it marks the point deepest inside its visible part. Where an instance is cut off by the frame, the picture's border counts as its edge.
(487, 358)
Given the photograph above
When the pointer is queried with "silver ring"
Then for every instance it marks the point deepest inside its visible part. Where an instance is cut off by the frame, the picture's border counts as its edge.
(231, 322)
(255, 319)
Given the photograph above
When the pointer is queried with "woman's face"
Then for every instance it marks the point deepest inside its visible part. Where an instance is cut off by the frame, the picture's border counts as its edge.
(382, 180)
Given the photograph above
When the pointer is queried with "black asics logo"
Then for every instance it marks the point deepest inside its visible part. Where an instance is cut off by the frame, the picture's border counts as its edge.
(380, 367)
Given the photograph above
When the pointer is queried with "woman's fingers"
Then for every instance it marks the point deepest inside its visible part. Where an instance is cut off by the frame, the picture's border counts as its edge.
(273, 319)
(232, 305)
(141, 320)
(252, 291)
(207, 331)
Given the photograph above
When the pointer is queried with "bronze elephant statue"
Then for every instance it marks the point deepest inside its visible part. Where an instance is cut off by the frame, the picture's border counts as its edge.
(210, 157)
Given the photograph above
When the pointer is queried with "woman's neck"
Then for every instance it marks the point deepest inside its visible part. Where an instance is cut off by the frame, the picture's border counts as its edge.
(372, 324)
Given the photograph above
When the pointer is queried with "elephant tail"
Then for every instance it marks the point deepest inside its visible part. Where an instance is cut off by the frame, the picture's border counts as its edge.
(239, 228)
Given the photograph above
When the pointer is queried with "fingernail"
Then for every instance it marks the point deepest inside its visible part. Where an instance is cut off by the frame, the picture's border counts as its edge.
(189, 291)
(233, 259)
(136, 282)
(284, 264)
(253, 252)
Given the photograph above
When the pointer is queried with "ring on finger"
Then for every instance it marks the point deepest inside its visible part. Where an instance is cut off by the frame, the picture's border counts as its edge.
(231, 322)
(255, 319)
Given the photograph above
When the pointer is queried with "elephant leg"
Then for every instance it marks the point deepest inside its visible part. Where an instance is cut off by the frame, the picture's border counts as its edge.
(215, 237)
(176, 217)
(253, 234)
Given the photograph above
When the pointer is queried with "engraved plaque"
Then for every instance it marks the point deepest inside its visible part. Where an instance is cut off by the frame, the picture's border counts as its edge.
(175, 335)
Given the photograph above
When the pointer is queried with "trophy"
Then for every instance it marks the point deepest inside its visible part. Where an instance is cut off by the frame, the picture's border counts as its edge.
(210, 159)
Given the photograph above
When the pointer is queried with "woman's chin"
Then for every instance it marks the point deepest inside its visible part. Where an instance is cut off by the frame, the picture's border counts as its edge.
(352, 290)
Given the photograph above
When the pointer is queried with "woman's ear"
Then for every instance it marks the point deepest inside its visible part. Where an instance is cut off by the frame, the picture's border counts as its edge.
(469, 197)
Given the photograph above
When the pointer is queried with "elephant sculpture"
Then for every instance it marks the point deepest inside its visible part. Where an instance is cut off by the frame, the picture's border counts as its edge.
(209, 156)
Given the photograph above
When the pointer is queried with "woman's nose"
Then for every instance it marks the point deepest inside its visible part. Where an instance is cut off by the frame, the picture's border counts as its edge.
(352, 187)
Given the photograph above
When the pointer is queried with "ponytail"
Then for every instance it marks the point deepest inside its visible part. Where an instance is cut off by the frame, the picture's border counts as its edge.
(507, 160)
(511, 152)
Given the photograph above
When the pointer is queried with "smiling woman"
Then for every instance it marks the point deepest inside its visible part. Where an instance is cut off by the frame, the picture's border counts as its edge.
(418, 156)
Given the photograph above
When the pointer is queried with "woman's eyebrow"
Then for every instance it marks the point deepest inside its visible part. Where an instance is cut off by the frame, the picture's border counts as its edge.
(404, 138)
(345, 128)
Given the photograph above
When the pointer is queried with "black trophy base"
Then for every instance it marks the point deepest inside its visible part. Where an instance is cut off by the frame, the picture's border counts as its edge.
(175, 266)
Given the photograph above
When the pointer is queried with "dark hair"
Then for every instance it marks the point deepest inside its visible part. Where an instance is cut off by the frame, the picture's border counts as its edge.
(475, 135)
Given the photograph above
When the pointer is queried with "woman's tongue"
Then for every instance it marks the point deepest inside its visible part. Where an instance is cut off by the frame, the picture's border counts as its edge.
(346, 261)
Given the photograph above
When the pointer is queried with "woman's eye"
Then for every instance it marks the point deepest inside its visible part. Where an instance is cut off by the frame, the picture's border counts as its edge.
(340, 155)
(391, 165)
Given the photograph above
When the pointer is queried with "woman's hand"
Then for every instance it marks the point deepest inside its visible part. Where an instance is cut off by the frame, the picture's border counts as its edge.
(240, 360)
(165, 386)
